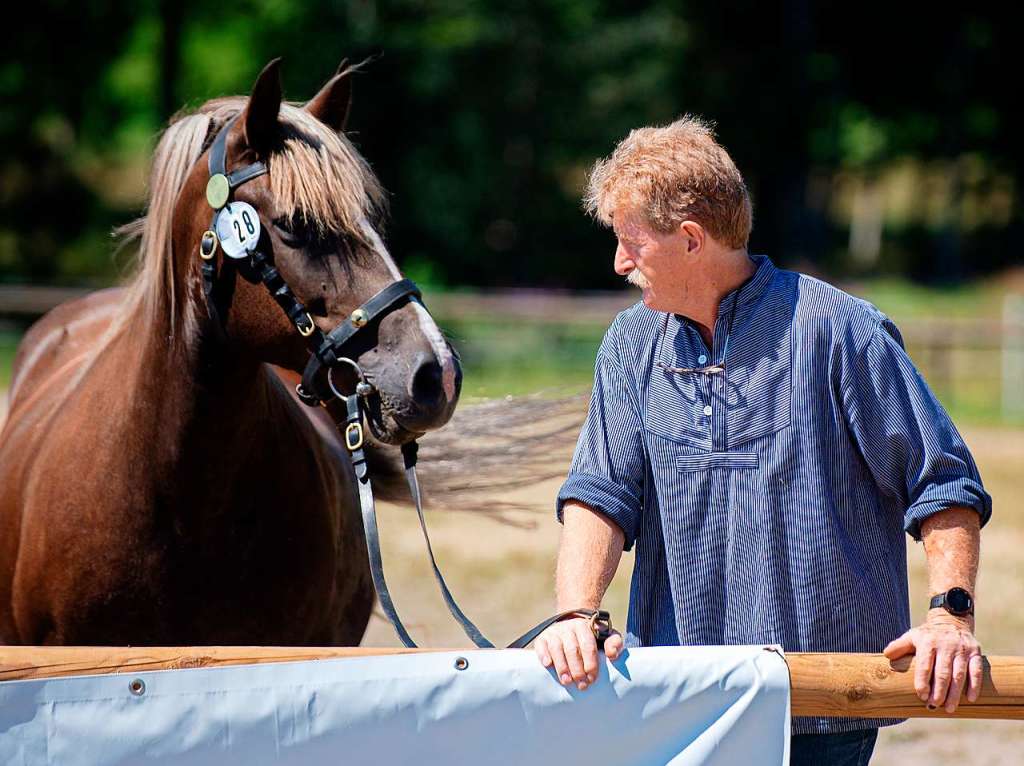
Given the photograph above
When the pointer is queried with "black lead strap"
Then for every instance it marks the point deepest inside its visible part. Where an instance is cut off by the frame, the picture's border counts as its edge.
(409, 451)
(600, 620)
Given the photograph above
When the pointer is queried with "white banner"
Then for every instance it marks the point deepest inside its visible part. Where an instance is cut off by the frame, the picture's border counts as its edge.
(678, 705)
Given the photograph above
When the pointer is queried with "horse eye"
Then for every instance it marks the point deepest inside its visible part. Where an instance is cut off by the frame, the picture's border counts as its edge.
(292, 232)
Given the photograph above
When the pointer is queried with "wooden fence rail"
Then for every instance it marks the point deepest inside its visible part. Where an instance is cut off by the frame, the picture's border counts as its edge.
(850, 685)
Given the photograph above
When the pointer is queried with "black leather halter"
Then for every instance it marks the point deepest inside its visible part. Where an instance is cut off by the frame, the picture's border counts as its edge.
(330, 351)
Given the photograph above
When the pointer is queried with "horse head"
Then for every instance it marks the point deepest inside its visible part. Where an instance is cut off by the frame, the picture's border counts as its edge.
(311, 209)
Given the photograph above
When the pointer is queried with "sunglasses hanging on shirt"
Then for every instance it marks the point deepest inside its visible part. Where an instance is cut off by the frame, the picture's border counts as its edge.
(710, 369)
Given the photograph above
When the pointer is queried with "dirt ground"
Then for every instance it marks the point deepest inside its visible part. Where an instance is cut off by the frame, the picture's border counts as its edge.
(502, 575)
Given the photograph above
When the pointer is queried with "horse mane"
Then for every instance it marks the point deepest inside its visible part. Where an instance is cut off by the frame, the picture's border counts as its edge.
(315, 173)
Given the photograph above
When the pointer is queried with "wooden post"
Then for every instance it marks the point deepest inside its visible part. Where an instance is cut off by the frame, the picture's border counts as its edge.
(845, 685)
(869, 686)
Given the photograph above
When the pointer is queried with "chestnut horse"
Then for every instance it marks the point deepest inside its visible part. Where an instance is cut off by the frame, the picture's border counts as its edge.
(159, 482)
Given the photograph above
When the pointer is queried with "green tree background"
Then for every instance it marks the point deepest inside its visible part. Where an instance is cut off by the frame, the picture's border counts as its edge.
(875, 138)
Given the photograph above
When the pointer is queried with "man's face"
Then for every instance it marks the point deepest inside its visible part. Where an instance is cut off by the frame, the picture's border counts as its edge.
(654, 262)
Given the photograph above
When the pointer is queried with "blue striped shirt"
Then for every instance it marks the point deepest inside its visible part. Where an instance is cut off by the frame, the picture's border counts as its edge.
(768, 503)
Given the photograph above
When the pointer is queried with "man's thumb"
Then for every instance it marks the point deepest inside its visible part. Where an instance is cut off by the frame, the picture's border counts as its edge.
(613, 645)
(900, 646)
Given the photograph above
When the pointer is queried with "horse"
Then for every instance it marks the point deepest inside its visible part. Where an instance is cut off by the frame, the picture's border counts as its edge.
(160, 483)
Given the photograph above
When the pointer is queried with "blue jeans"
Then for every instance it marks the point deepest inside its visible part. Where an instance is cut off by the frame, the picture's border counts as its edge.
(850, 749)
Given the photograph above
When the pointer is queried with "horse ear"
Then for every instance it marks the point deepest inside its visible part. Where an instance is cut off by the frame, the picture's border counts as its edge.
(260, 119)
(331, 105)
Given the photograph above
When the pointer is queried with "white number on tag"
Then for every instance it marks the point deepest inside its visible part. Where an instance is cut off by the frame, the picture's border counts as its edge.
(238, 229)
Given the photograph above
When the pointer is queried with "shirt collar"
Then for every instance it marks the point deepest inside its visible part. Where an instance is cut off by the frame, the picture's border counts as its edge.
(752, 289)
(749, 291)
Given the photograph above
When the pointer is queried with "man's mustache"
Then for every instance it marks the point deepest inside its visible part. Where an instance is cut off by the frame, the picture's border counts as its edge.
(637, 279)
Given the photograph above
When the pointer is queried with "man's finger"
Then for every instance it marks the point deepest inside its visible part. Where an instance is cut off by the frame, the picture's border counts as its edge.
(540, 646)
(899, 647)
(613, 645)
(923, 671)
(975, 676)
(571, 644)
(558, 658)
(588, 652)
(942, 674)
(957, 684)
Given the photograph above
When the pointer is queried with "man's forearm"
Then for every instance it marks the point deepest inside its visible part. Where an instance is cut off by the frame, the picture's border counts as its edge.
(588, 556)
(952, 540)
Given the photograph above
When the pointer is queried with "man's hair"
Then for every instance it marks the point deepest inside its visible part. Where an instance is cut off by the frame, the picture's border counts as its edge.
(670, 174)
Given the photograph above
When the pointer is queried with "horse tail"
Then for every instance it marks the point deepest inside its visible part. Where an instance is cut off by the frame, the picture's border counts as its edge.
(486, 454)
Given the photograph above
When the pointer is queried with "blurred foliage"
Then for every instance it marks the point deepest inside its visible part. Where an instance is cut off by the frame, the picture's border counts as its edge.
(875, 137)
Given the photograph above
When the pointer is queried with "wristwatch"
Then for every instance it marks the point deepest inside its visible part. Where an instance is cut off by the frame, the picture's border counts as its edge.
(956, 601)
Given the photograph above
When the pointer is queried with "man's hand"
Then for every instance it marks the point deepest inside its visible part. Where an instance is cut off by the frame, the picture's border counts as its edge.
(570, 647)
(948, 658)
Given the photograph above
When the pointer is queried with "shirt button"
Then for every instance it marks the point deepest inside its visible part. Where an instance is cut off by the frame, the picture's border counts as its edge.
(702, 359)
(707, 410)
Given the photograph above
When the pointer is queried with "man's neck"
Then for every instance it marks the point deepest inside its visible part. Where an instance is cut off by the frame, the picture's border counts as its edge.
(732, 269)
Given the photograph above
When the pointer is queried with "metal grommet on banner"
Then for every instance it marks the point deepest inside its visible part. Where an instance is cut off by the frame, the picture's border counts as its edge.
(461, 663)
(137, 687)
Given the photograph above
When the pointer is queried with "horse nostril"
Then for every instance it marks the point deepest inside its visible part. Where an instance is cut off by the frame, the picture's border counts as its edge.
(426, 387)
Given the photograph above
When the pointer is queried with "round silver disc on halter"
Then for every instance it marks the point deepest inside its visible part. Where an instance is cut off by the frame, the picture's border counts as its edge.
(238, 229)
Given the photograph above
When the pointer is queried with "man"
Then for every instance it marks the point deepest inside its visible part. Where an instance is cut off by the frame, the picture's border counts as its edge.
(765, 442)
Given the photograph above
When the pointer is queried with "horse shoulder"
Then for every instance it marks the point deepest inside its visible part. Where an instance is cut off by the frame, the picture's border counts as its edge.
(65, 332)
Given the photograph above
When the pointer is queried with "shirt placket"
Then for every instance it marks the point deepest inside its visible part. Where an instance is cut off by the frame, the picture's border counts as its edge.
(704, 383)
(716, 393)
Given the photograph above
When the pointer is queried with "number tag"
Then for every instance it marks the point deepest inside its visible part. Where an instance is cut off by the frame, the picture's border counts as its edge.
(238, 229)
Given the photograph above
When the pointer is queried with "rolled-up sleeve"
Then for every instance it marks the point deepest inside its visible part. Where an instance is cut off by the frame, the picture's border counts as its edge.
(906, 438)
(608, 467)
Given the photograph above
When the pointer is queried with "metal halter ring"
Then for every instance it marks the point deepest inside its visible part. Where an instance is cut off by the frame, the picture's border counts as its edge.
(361, 389)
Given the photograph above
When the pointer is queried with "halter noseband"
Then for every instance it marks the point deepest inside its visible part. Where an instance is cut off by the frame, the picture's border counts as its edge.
(328, 350)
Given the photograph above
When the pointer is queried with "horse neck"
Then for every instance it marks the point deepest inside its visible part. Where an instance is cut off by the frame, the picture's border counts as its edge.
(193, 398)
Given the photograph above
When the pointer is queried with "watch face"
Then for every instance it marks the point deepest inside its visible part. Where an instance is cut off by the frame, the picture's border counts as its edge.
(959, 601)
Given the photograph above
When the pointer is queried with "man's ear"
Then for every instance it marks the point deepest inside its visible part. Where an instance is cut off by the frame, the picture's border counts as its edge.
(694, 235)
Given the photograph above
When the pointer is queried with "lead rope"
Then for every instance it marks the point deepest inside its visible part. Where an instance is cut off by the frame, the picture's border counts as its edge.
(409, 451)
(600, 620)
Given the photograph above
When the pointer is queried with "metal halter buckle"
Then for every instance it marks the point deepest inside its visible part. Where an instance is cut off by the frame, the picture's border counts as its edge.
(306, 331)
(354, 436)
(601, 624)
(208, 245)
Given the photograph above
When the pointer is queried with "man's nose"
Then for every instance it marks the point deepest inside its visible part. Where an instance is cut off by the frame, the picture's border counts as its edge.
(623, 262)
